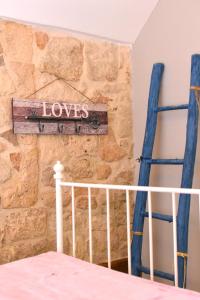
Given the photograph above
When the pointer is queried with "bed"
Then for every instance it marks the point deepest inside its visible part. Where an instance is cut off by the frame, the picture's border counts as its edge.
(56, 276)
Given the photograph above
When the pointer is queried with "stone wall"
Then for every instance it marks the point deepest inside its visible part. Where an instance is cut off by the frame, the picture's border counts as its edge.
(30, 58)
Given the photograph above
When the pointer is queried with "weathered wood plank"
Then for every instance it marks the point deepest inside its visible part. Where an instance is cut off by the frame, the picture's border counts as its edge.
(42, 117)
(20, 116)
(52, 128)
(38, 103)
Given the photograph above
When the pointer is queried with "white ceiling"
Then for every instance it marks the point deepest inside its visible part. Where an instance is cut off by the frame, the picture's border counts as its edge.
(115, 19)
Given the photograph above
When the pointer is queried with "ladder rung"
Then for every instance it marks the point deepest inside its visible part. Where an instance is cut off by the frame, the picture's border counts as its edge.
(164, 161)
(159, 216)
(172, 107)
(157, 273)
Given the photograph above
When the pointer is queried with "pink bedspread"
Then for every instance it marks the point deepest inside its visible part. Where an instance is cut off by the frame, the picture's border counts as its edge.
(58, 276)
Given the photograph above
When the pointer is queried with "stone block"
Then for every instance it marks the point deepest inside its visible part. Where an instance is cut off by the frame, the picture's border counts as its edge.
(47, 196)
(17, 42)
(1, 49)
(2, 147)
(10, 137)
(81, 168)
(26, 224)
(5, 172)
(83, 145)
(103, 171)
(6, 83)
(63, 58)
(30, 248)
(82, 202)
(109, 150)
(124, 177)
(22, 75)
(47, 177)
(15, 159)
(23, 249)
(41, 39)
(22, 190)
(2, 63)
(102, 61)
(99, 246)
(26, 140)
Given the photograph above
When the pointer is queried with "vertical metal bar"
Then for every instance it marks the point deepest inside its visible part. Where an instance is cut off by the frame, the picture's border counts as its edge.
(150, 236)
(175, 239)
(108, 227)
(90, 224)
(73, 225)
(128, 231)
(58, 168)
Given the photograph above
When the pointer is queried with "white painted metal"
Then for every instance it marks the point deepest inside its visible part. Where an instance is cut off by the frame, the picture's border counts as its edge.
(150, 236)
(73, 225)
(58, 168)
(107, 187)
(90, 224)
(128, 230)
(175, 239)
(108, 227)
(133, 188)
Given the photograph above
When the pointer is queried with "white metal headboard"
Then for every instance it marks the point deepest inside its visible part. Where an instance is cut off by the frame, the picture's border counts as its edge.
(58, 169)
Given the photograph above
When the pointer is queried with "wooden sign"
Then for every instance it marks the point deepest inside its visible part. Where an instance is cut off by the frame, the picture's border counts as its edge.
(42, 117)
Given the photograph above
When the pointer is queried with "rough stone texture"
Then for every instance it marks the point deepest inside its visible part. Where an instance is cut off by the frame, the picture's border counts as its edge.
(22, 78)
(10, 137)
(2, 147)
(81, 169)
(103, 171)
(5, 113)
(47, 177)
(5, 173)
(17, 41)
(7, 86)
(22, 249)
(124, 177)
(102, 61)
(109, 150)
(22, 189)
(82, 202)
(32, 58)
(1, 49)
(63, 58)
(26, 224)
(41, 39)
(48, 197)
(2, 63)
(15, 159)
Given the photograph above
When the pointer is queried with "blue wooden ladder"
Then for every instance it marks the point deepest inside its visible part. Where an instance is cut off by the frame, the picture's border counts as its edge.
(146, 161)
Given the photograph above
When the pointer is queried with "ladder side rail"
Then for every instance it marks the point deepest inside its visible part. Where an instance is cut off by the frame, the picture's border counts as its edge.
(141, 197)
(187, 174)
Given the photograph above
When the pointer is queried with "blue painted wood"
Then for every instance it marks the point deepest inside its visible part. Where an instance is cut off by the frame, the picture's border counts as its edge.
(172, 107)
(187, 174)
(141, 197)
(188, 170)
(165, 161)
(159, 216)
(158, 273)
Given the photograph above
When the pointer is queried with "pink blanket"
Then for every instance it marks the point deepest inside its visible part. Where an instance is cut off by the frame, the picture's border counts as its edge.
(57, 276)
